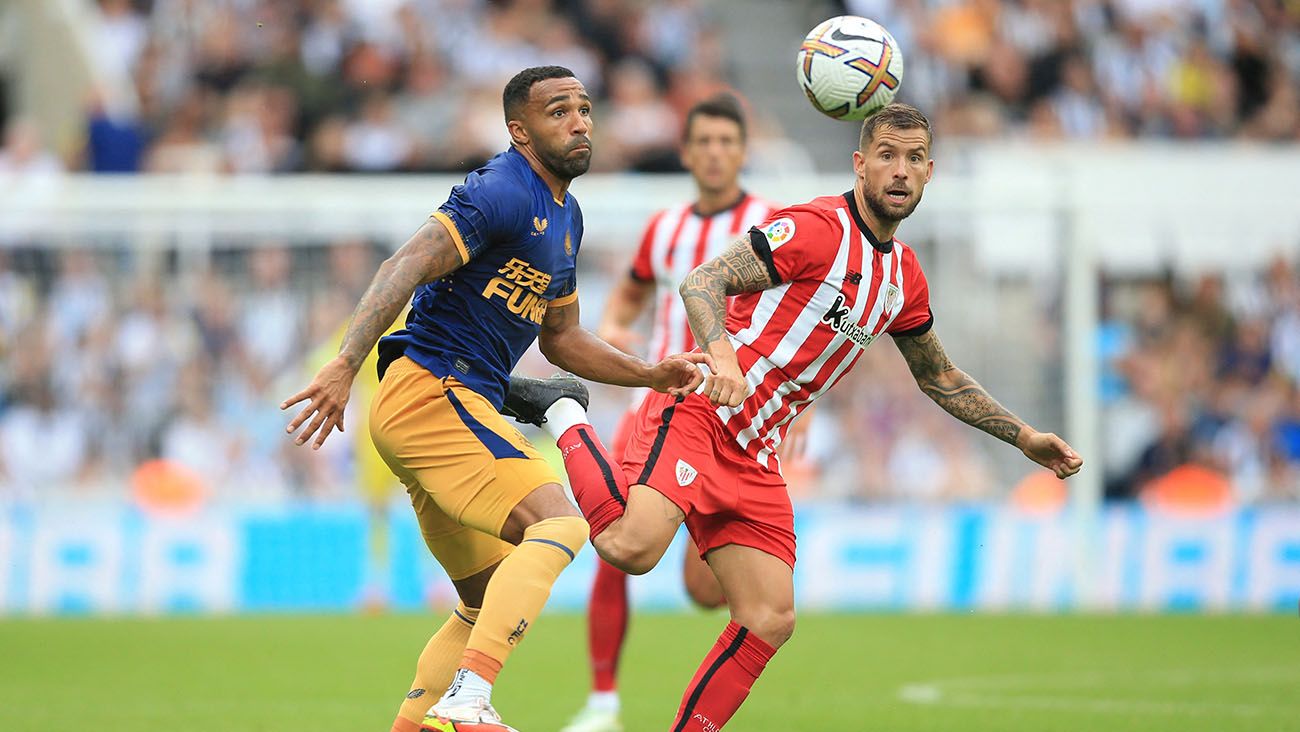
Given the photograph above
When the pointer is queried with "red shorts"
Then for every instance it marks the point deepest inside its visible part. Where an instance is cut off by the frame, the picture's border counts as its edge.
(622, 433)
(679, 449)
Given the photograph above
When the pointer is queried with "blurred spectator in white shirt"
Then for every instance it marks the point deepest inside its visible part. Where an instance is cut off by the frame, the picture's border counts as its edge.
(42, 445)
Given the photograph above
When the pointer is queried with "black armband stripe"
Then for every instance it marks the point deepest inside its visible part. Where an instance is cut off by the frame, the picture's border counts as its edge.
(919, 330)
(758, 240)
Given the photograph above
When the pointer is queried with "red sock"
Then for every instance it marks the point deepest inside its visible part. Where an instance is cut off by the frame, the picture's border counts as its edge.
(606, 624)
(598, 482)
(723, 680)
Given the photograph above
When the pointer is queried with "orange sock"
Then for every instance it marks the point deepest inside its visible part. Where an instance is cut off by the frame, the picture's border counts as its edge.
(518, 590)
(438, 663)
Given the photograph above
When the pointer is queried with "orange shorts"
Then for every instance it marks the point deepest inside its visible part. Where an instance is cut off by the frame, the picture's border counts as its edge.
(464, 466)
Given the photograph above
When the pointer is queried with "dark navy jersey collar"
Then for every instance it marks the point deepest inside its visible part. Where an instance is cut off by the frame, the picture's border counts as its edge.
(880, 246)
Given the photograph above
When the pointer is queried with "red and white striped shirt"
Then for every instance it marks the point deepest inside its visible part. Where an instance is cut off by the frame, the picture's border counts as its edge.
(839, 290)
(676, 241)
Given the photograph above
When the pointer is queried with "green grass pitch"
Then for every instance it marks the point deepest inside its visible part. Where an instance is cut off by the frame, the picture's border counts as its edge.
(895, 673)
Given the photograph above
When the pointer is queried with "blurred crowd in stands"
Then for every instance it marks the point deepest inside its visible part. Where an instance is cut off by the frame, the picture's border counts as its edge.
(1094, 69)
(109, 369)
(107, 363)
(266, 86)
(1202, 383)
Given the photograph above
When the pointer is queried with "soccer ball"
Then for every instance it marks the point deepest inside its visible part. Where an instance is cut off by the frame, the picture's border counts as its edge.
(849, 67)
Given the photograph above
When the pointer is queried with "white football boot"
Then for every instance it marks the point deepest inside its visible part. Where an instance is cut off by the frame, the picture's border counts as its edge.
(591, 719)
(472, 711)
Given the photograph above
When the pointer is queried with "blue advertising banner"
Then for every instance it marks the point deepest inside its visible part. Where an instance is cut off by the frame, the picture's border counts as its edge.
(119, 561)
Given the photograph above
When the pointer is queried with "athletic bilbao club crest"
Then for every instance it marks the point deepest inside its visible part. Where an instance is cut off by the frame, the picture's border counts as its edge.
(892, 296)
(685, 473)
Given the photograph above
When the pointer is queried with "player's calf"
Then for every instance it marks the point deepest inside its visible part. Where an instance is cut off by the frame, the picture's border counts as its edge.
(637, 540)
(701, 585)
(559, 405)
(515, 595)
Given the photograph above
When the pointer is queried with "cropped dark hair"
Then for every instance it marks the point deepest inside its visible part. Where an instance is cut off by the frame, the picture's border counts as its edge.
(896, 116)
(518, 88)
(722, 105)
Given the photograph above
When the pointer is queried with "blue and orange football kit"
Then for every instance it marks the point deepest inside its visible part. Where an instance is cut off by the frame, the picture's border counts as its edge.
(434, 419)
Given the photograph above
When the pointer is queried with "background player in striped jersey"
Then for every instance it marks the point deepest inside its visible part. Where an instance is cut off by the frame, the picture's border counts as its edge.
(676, 241)
(812, 289)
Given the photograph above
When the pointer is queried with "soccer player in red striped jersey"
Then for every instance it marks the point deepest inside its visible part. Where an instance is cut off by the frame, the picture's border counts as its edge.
(676, 241)
(810, 290)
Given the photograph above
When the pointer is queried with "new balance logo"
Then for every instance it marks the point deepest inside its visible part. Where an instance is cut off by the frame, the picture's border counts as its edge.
(853, 278)
(518, 633)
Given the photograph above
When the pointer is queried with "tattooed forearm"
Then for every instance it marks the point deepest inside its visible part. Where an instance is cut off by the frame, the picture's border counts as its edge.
(954, 390)
(428, 255)
(705, 290)
(966, 400)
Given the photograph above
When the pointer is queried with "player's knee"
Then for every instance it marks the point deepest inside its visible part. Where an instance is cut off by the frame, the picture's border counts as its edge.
(636, 561)
(628, 556)
(570, 532)
(773, 625)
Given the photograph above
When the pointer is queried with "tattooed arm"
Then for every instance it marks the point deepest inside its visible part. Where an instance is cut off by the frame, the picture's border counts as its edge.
(704, 292)
(427, 256)
(963, 397)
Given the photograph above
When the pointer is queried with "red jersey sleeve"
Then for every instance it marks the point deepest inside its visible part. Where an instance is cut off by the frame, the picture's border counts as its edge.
(642, 267)
(795, 242)
(916, 317)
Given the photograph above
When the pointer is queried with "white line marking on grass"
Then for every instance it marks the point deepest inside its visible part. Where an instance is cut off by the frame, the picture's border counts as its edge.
(980, 691)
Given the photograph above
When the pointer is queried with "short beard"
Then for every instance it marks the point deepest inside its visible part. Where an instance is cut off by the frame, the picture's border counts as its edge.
(566, 168)
(878, 207)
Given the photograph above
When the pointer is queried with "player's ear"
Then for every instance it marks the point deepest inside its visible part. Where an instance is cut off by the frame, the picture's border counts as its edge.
(859, 161)
(929, 170)
(518, 133)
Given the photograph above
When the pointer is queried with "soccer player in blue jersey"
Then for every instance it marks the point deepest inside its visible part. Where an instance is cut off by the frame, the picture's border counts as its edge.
(491, 270)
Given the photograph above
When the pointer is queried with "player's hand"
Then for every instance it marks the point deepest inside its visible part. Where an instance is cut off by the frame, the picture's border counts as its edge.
(726, 386)
(679, 374)
(1052, 453)
(326, 397)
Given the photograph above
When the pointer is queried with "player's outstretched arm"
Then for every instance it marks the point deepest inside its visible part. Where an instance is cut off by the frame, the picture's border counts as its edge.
(963, 397)
(626, 304)
(565, 343)
(428, 255)
(704, 292)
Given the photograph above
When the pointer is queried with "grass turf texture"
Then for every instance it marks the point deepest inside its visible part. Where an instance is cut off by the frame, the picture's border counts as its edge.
(840, 672)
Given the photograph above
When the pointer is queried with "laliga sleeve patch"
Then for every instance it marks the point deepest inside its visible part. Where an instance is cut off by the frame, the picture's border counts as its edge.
(779, 232)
